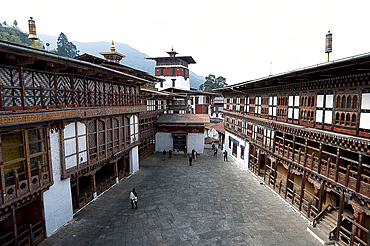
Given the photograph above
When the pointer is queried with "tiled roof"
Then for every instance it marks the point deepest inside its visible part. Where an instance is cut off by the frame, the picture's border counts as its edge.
(219, 100)
(183, 118)
(219, 127)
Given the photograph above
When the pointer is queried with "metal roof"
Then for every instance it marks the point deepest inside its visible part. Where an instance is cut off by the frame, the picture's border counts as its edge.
(183, 119)
(21, 50)
(323, 71)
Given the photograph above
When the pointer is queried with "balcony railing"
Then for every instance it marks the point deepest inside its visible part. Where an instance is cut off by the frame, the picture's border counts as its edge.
(24, 89)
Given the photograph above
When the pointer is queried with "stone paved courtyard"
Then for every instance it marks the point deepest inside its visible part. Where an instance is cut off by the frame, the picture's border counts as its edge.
(210, 203)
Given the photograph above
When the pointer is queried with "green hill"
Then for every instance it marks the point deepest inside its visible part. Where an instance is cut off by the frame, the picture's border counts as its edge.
(14, 35)
(134, 58)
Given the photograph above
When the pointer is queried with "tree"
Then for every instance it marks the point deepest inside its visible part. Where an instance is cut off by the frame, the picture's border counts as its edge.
(212, 83)
(65, 48)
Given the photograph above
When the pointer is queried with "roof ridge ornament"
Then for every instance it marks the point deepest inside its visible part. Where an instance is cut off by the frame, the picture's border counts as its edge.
(112, 48)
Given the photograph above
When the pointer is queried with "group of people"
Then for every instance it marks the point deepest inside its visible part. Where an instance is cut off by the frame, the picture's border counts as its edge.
(192, 157)
(215, 150)
(169, 154)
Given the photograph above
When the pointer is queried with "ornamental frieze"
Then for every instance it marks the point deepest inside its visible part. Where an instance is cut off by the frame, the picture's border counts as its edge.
(7, 120)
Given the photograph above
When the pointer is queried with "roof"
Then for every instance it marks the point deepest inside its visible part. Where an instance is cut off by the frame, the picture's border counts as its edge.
(183, 119)
(340, 68)
(117, 66)
(187, 59)
(189, 92)
(218, 100)
(219, 127)
(43, 55)
(161, 93)
(209, 140)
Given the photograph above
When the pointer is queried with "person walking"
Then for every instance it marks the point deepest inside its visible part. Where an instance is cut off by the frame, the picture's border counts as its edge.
(133, 198)
(190, 160)
(170, 154)
(164, 155)
(213, 146)
(215, 153)
(193, 153)
(225, 155)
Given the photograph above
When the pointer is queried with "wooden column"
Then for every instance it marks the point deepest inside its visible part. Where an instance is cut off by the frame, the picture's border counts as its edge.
(20, 74)
(305, 153)
(320, 157)
(14, 226)
(287, 180)
(339, 153)
(259, 163)
(93, 184)
(340, 211)
(302, 189)
(354, 228)
(359, 172)
(275, 173)
(321, 196)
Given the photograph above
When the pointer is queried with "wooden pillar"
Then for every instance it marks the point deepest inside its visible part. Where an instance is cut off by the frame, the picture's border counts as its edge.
(275, 173)
(93, 184)
(116, 171)
(287, 180)
(340, 211)
(339, 153)
(14, 226)
(259, 163)
(320, 157)
(302, 189)
(305, 153)
(321, 196)
(354, 228)
(359, 172)
(20, 76)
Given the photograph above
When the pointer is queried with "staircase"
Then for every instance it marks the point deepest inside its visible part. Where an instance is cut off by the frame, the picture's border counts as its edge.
(323, 227)
(328, 222)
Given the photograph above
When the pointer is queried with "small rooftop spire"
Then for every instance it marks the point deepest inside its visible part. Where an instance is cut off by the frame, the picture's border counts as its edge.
(112, 48)
(172, 53)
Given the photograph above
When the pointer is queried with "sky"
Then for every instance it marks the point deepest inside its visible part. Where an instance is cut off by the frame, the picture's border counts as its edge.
(239, 40)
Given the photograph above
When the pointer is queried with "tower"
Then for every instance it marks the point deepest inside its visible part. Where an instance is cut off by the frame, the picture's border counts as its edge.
(174, 69)
(112, 55)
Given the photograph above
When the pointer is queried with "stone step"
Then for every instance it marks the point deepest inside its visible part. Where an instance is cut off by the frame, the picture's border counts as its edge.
(321, 236)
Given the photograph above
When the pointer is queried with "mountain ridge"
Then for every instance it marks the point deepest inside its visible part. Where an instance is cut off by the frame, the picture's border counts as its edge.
(134, 58)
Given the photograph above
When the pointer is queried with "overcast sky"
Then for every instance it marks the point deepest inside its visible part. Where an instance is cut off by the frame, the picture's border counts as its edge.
(236, 39)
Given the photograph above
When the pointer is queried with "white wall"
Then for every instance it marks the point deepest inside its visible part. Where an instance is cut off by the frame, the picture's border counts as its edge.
(195, 141)
(134, 159)
(163, 141)
(58, 199)
(180, 83)
(244, 162)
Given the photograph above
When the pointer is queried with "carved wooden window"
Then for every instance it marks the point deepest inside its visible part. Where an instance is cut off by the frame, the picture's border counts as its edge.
(75, 148)
(354, 105)
(19, 148)
(272, 105)
(101, 138)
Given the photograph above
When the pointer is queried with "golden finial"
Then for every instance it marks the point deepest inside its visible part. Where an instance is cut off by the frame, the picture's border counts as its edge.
(112, 48)
(172, 48)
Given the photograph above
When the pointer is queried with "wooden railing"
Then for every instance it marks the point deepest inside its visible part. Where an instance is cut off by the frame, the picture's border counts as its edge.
(350, 237)
(18, 184)
(26, 89)
(323, 212)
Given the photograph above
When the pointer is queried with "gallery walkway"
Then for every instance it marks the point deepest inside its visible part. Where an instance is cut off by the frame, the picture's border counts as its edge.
(210, 203)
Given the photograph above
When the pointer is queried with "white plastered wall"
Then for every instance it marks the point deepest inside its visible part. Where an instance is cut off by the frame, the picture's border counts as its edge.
(180, 83)
(58, 199)
(163, 141)
(195, 141)
(365, 117)
(134, 159)
(244, 162)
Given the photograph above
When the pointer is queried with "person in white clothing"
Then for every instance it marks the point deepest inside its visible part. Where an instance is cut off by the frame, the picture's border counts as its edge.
(133, 198)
